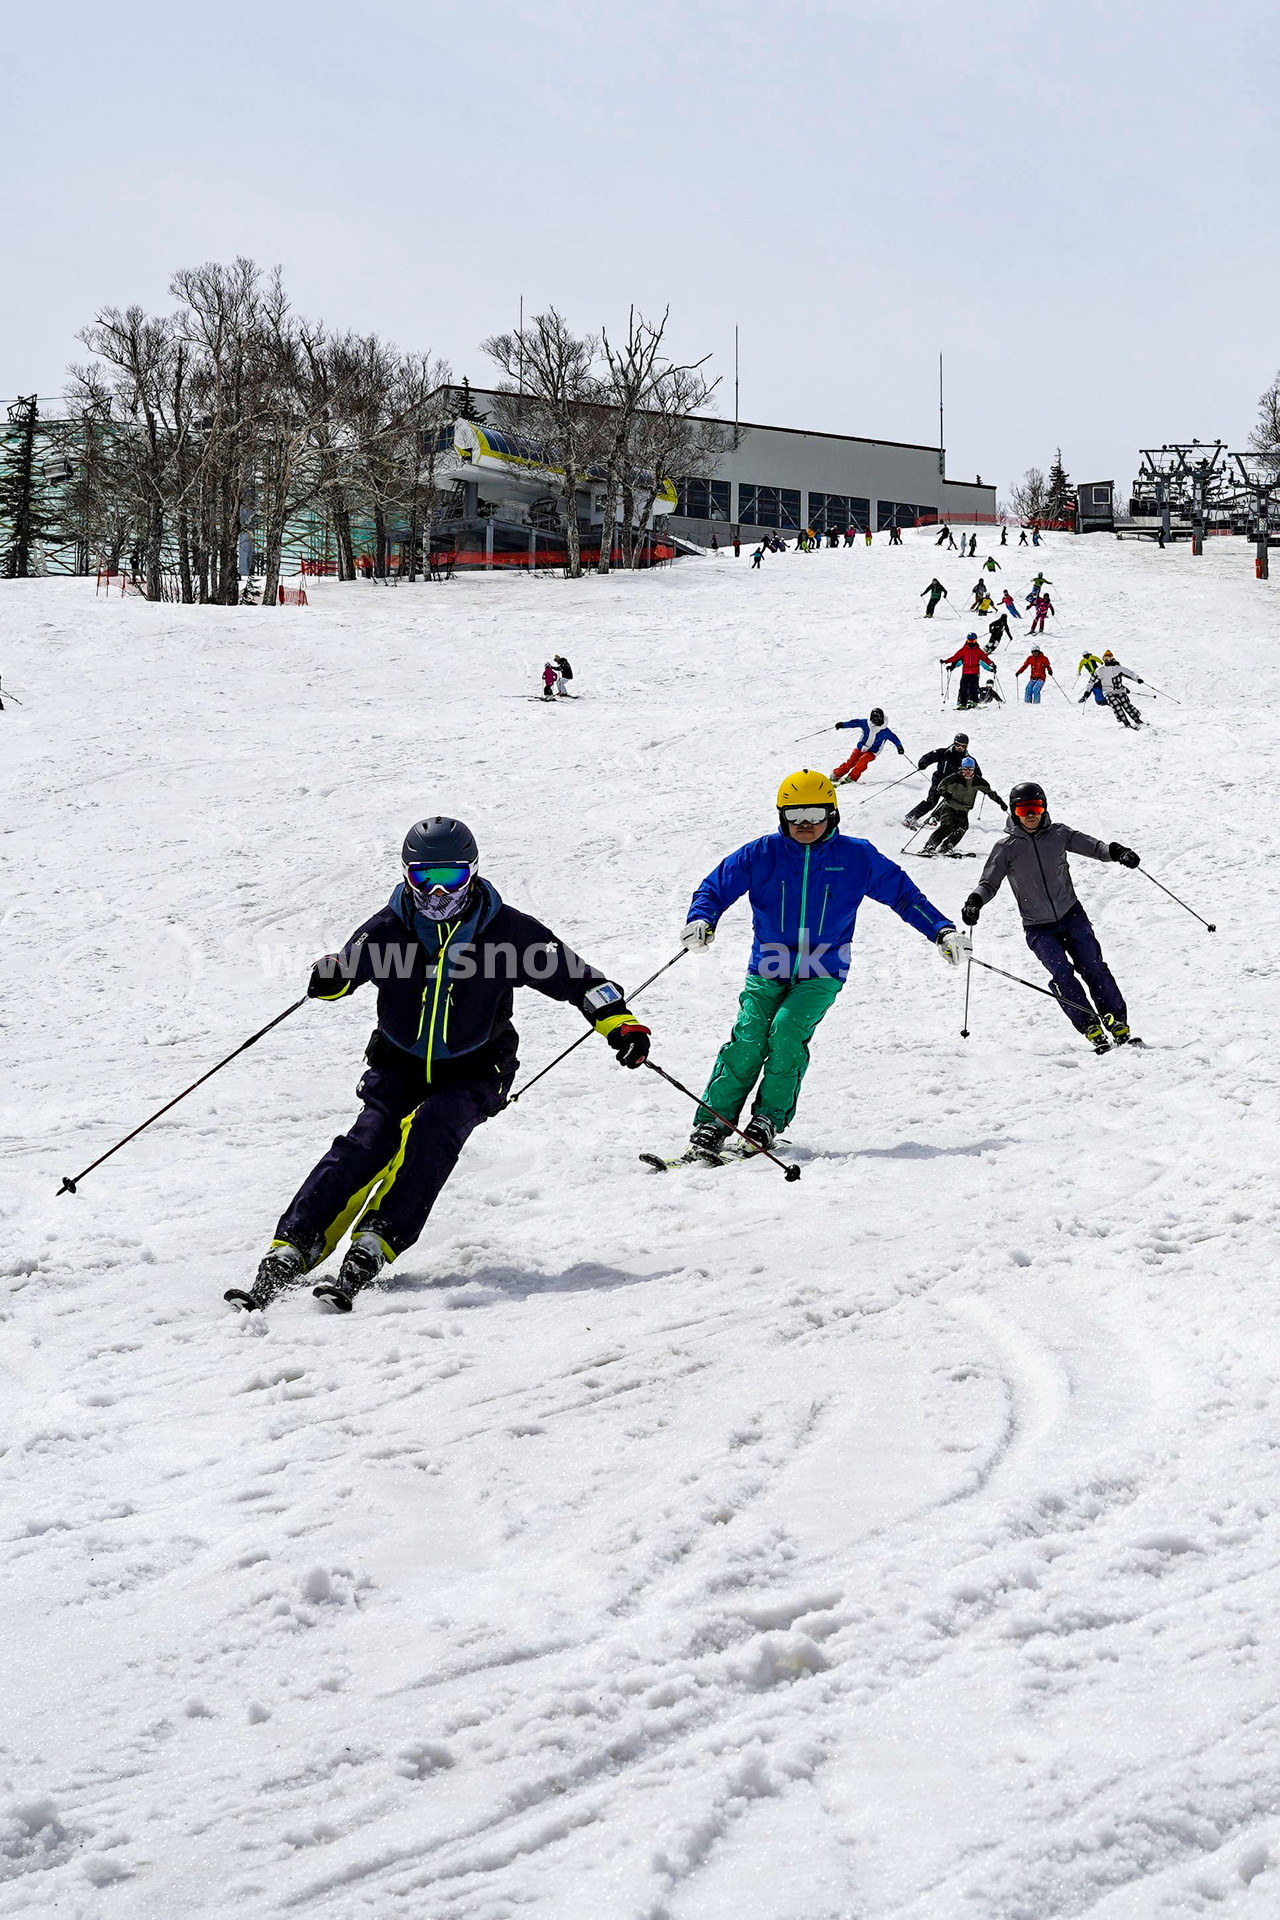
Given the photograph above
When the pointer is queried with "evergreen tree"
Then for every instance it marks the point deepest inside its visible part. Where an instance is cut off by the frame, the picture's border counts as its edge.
(1060, 500)
(464, 405)
(24, 501)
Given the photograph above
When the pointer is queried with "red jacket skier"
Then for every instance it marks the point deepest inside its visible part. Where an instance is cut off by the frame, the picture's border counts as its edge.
(1037, 669)
(969, 657)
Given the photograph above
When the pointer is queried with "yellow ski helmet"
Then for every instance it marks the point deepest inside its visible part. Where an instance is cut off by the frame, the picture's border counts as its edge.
(806, 789)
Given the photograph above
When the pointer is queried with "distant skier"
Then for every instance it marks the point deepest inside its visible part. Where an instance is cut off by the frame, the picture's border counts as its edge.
(1004, 535)
(969, 658)
(944, 534)
(979, 595)
(991, 564)
(1037, 669)
(936, 591)
(956, 795)
(549, 678)
(564, 672)
(1110, 676)
(1032, 857)
(944, 761)
(1009, 604)
(997, 631)
(1089, 663)
(973, 546)
(806, 883)
(895, 535)
(757, 556)
(1044, 607)
(445, 952)
(1037, 588)
(876, 735)
(1022, 537)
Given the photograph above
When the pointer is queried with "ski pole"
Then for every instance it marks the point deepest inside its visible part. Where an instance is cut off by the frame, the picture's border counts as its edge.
(810, 736)
(1210, 924)
(792, 1172)
(1047, 991)
(968, 978)
(1162, 693)
(513, 1097)
(69, 1186)
(1062, 690)
(885, 788)
(6, 695)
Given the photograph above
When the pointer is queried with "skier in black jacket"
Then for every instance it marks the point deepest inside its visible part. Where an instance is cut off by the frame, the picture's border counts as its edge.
(445, 953)
(945, 761)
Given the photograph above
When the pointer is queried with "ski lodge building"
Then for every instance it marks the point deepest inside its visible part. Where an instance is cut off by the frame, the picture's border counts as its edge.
(764, 480)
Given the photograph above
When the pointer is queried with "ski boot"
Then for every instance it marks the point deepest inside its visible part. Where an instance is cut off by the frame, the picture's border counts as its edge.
(760, 1132)
(282, 1265)
(363, 1262)
(707, 1140)
(1096, 1035)
(1119, 1031)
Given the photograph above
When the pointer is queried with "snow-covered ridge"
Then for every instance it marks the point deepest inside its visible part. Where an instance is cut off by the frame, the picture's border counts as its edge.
(899, 1543)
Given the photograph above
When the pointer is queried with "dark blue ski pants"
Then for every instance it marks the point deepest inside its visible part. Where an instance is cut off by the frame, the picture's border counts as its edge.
(385, 1173)
(1069, 950)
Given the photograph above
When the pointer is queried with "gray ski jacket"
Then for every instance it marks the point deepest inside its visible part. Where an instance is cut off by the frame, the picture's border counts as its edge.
(1035, 865)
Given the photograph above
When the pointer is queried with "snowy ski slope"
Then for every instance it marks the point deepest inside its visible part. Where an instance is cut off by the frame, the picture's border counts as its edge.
(900, 1544)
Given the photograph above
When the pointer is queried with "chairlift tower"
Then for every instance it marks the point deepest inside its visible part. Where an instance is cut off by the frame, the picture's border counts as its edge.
(1187, 474)
(1259, 480)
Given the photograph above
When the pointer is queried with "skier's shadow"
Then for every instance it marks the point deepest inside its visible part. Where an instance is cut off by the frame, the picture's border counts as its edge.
(905, 1150)
(492, 1284)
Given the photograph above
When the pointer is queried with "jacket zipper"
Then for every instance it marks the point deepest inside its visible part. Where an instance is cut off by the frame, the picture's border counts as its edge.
(441, 951)
(801, 928)
(822, 916)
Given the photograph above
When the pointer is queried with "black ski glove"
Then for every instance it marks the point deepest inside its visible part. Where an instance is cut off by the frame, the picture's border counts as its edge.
(326, 982)
(970, 910)
(1125, 855)
(631, 1044)
(902, 752)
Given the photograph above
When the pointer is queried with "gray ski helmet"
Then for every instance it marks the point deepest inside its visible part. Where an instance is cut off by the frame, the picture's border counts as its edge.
(877, 716)
(439, 842)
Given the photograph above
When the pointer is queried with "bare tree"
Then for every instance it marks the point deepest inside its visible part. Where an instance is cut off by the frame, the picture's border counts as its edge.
(671, 439)
(1265, 437)
(1029, 497)
(551, 395)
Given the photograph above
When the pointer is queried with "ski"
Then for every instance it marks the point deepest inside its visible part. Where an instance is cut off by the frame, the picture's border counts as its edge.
(692, 1158)
(237, 1297)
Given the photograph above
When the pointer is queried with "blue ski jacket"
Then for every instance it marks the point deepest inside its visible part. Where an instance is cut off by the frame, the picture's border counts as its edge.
(867, 743)
(805, 900)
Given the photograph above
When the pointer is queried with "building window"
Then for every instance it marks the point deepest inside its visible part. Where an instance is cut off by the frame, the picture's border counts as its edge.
(833, 512)
(769, 507)
(898, 513)
(1102, 496)
(703, 499)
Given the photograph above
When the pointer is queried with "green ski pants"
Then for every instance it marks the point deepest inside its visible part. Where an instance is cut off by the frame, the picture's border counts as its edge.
(770, 1043)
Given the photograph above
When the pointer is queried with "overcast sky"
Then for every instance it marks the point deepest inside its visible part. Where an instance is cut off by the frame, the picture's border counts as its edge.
(1074, 202)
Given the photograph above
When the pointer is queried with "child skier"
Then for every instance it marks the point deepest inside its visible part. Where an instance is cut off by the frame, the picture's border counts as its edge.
(1044, 606)
(945, 761)
(1032, 857)
(875, 735)
(1036, 667)
(956, 795)
(806, 883)
(1089, 663)
(445, 952)
(1009, 604)
(549, 678)
(969, 657)
(936, 591)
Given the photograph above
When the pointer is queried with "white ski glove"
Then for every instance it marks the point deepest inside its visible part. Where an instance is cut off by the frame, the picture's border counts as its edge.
(697, 935)
(955, 945)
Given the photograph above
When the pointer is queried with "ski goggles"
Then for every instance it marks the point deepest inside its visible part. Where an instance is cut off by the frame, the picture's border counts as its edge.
(1029, 809)
(805, 816)
(428, 879)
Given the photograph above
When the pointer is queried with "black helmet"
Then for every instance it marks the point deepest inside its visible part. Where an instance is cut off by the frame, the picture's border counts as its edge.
(440, 841)
(1027, 790)
(877, 716)
(450, 847)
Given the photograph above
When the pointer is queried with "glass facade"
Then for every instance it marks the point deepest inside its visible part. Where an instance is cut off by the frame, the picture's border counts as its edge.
(769, 507)
(833, 512)
(703, 499)
(898, 513)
